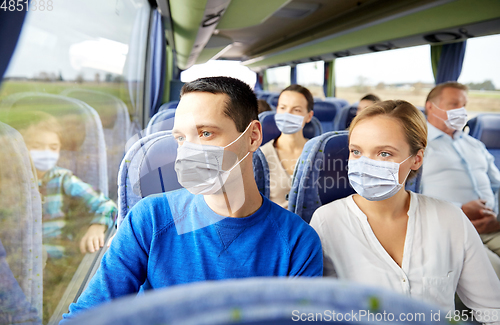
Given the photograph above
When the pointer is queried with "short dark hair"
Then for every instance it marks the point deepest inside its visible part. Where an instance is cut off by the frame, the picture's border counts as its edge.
(242, 104)
(305, 92)
(371, 97)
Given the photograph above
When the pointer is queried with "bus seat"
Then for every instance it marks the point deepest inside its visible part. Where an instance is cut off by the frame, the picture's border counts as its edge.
(116, 127)
(169, 105)
(321, 174)
(339, 102)
(344, 117)
(83, 149)
(273, 100)
(270, 130)
(325, 112)
(161, 121)
(20, 222)
(129, 174)
(487, 130)
(261, 172)
(148, 168)
(260, 301)
(264, 95)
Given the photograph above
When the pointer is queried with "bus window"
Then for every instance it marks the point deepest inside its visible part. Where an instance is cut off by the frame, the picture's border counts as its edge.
(278, 78)
(310, 75)
(74, 90)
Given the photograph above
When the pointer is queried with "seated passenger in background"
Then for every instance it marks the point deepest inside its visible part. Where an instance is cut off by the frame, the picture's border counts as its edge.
(458, 168)
(384, 236)
(366, 101)
(263, 106)
(219, 226)
(59, 187)
(295, 109)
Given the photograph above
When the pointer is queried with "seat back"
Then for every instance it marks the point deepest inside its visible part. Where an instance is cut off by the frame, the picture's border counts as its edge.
(486, 128)
(116, 127)
(261, 301)
(264, 95)
(344, 117)
(273, 100)
(339, 102)
(261, 172)
(325, 112)
(169, 105)
(83, 148)
(148, 168)
(270, 130)
(20, 223)
(321, 174)
(161, 121)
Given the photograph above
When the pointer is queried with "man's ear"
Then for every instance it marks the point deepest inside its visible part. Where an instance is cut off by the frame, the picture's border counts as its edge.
(428, 107)
(255, 135)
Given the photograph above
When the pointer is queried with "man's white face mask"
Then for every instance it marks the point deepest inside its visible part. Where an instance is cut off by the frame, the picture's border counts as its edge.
(199, 167)
(457, 118)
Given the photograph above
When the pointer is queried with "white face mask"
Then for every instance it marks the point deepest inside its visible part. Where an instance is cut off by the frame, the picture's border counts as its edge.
(44, 159)
(289, 123)
(457, 118)
(373, 179)
(199, 167)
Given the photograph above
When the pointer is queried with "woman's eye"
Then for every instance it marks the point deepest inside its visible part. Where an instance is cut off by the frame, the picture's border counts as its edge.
(385, 154)
(355, 152)
(206, 134)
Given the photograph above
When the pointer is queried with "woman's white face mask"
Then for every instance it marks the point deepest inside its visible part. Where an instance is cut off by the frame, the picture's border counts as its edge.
(373, 179)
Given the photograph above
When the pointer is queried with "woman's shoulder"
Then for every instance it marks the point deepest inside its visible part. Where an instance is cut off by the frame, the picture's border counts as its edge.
(431, 208)
(333, 210)
(268, 148)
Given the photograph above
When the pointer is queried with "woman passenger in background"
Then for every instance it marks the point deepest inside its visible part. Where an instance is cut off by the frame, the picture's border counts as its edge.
(294, 110)
(387, 237)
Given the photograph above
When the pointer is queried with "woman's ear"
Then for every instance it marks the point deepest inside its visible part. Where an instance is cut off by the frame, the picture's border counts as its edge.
(309, 117)
(419, 160)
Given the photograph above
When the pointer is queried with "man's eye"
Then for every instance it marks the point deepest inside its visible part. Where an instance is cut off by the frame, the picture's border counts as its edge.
(206, 134)
(180, 138)
(385, 154)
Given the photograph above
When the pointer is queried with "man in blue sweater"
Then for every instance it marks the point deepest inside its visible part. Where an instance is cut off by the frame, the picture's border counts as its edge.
(219, 226)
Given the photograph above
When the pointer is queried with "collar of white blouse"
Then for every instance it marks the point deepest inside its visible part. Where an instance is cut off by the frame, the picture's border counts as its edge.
(410, 231)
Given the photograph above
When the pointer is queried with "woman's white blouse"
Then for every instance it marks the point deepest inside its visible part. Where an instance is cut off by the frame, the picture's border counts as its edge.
(443, 253)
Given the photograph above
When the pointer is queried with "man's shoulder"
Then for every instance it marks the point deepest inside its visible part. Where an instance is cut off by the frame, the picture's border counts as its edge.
(160, 208)
(289, 223)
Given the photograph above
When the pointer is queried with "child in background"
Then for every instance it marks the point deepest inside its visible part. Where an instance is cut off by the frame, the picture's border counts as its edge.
(69, 206)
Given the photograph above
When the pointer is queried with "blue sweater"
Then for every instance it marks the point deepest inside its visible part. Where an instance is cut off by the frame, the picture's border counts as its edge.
(175, 238)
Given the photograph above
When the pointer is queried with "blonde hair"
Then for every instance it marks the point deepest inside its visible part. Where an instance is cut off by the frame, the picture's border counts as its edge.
(408, 116)
(37, 121)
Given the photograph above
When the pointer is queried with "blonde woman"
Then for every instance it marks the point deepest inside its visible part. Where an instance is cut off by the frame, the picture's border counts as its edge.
(387, 237)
